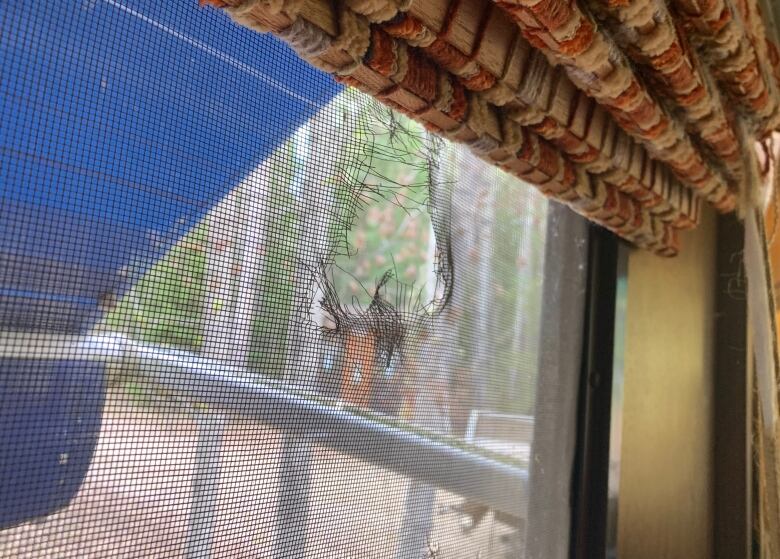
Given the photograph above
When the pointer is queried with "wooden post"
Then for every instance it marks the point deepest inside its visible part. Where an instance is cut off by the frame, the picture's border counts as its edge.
(233, 264)
(315, 159)
(218, 315)
(433, 376)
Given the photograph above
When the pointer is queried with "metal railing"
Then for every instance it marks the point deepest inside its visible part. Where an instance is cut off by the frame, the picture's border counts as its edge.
(219, 391)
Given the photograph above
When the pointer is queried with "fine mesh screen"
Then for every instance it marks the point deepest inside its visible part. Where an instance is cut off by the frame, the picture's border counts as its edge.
(246, 312)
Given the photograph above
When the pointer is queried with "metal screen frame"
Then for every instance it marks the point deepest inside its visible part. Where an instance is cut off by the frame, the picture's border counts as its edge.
(590, 482)
(216, 390)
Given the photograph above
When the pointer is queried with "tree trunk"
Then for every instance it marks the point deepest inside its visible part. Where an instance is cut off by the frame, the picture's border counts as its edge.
(222, 258)
(316, 160)
(433, 380)
(227, 312)
(483, 347)
(253, 222)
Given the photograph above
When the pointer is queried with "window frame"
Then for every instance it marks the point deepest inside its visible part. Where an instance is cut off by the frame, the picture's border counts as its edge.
(590, 476)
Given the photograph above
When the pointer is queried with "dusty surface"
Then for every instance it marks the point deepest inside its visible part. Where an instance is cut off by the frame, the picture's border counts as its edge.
(136, 500)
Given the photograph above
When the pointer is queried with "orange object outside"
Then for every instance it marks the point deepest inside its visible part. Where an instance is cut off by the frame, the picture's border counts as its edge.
(357, 373)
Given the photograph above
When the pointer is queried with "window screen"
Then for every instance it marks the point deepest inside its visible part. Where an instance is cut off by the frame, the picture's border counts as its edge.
(247, 312)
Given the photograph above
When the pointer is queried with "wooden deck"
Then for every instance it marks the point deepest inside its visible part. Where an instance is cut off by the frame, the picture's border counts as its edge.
(136, 499)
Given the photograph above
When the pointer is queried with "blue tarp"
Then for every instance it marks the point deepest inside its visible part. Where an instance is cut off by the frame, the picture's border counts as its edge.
(121, 123)
(50, 415)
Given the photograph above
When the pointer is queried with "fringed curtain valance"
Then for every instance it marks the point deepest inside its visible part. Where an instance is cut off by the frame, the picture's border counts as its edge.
(629, 111)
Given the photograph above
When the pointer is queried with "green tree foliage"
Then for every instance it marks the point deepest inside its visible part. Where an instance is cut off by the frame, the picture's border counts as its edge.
(165, 306)
(380, 185)
(275, 287)
(390, 225)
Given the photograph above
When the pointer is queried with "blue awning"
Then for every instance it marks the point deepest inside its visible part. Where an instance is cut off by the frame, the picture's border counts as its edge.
(123, 122)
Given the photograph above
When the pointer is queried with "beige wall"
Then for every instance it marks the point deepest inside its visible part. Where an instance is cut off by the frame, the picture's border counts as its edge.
(665, 504)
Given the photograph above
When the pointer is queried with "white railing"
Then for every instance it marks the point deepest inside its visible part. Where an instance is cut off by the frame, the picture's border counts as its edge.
(219, 391)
